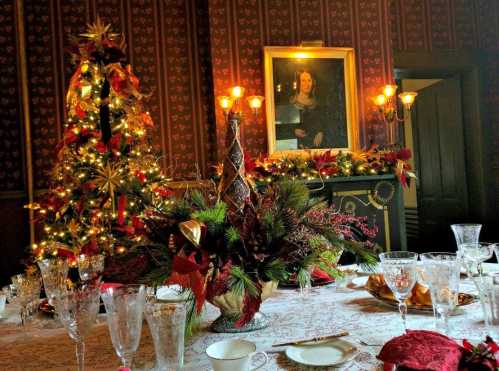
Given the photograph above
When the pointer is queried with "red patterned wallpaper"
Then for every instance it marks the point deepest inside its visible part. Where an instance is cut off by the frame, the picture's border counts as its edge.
(455, 24)
(11, 151)
(240, 29)
(168, 46)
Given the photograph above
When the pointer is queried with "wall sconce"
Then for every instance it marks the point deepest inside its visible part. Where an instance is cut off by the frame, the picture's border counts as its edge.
(232, 103)
(387, 108)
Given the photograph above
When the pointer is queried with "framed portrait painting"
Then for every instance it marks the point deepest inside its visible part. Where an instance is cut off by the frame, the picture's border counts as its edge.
(311, 99)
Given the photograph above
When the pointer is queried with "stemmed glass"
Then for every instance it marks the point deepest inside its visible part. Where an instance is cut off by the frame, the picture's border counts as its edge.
(27, 294)
(77, 309)
(124, 311)
(399, 271)
(54, 274)
(466, 233)
(473, 255)
(90, 266)
(442, 272)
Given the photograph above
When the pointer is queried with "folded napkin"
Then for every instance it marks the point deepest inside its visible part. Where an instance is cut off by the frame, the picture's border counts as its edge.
(422, 350)
(319, 275)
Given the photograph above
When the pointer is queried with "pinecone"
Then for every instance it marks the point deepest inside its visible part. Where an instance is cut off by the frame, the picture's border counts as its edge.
(290, 220)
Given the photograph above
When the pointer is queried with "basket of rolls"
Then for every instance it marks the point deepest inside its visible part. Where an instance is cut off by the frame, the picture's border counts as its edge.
(420, 298)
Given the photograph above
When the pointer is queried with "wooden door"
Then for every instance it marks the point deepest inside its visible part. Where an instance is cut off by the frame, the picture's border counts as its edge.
(440, 162)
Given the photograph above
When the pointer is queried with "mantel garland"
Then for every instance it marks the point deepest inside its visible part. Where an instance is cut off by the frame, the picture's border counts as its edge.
(327, 165)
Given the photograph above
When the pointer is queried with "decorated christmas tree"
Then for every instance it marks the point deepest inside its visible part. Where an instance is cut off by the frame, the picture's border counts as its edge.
(105, 171)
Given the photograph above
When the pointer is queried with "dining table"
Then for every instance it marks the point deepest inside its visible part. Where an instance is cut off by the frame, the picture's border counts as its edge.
(320, 311)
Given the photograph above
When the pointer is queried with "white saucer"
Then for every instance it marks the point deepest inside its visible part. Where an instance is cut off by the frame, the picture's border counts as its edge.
(331, 353)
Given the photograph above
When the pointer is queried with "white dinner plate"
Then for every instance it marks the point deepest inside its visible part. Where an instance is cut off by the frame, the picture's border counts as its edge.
(171, 293)
(329, 353)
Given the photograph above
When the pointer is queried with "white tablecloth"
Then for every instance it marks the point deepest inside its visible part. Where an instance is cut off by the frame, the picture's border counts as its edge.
(323, 311)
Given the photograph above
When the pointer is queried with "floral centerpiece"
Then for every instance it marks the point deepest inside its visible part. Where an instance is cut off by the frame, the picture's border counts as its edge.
(217, 253)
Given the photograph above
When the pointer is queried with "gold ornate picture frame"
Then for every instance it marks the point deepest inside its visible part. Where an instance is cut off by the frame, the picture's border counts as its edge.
(311, 100)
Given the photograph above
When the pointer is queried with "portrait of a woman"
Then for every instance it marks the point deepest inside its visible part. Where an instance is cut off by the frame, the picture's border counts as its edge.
(310, 104)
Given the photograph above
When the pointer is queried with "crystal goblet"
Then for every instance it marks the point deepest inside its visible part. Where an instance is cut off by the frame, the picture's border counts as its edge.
(399, 271)
(124, 312)
(90, 266)
(27, 292)
(466, 233)
(473, 255)
(77, 309)
(442, 271)
(54, 275)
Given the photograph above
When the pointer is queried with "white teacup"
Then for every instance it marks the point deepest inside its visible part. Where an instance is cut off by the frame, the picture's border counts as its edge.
(233, 355)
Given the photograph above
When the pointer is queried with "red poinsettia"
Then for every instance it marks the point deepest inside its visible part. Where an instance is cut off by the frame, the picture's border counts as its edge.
(324, 159)
(404, 154)
(187, 273)
(483, 357)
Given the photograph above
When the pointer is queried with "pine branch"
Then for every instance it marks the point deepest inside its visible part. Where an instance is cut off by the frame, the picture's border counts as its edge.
(276, 271)
(232, 236)
(214, 217)
(240, 283)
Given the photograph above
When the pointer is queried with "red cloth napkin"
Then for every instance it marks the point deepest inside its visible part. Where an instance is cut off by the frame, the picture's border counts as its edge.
(422, 350)
(319, 275)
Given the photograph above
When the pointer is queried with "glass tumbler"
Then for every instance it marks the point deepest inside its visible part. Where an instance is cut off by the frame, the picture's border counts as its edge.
(167, 326)
(488, 289)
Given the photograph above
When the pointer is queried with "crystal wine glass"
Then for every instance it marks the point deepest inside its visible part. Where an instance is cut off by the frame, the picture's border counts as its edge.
(442, 271)
(54, 274)
(90, 266)
(27, 292)
(473, 255)
(124, 311)
(399, 271)
(77, 309)
(466, 233)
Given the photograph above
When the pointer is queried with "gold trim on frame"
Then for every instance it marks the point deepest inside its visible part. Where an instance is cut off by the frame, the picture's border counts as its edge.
(372, 201)
(348, 55)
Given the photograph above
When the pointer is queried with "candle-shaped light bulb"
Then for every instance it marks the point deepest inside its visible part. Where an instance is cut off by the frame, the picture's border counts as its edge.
(236, 92)
(225, 103)
(255, 102)
(408, 99)
(389, 90)
(380, 100)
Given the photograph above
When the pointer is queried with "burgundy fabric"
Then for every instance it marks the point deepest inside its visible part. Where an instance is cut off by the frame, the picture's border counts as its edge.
(422, 350)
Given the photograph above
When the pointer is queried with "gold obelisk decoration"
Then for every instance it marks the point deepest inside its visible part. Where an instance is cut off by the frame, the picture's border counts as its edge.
(234, 190)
